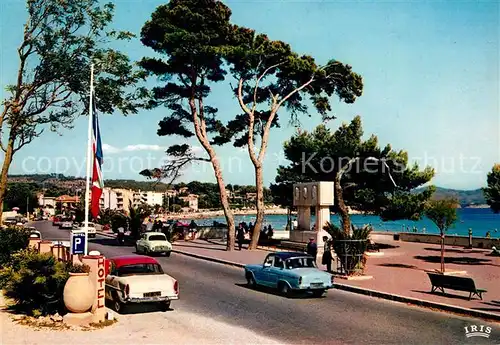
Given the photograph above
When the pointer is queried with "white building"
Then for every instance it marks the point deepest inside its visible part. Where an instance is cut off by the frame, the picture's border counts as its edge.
(148, 197)
(47, 204)
(192, 200)
(116, 199)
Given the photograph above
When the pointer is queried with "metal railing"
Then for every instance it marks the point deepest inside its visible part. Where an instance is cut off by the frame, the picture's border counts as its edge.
(350, 256)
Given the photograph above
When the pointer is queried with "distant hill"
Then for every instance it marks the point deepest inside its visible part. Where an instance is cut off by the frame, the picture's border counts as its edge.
(466, 197)
(473, 197)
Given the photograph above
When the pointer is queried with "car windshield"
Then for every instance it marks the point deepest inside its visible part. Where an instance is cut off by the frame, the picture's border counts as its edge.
(157, 238)
(300, 263)
(136, 269)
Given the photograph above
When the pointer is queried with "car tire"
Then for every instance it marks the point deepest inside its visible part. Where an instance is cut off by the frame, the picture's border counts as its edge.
(118, 306)
(251, 281)
(167, 254)
(136, 249)
(318, 293)
(284, 289)
(165, 306)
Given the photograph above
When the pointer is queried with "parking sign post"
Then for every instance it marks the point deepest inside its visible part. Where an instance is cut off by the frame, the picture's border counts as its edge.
(78, 242)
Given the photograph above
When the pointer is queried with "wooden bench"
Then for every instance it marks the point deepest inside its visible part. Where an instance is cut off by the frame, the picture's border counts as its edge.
(441, 282)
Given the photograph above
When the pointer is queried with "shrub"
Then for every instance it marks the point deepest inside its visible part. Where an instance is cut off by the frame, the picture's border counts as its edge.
(350, 248)
(35, 282)
(12, 239)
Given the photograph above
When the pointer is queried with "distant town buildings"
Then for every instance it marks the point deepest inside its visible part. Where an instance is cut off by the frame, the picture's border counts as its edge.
(116, 199)
(148, 197)
(120, 199)
(192, 201)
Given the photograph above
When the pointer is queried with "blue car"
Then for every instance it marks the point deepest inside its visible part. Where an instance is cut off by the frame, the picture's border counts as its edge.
(289, 272)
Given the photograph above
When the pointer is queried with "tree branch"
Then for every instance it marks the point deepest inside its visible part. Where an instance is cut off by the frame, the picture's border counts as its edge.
(284, 99)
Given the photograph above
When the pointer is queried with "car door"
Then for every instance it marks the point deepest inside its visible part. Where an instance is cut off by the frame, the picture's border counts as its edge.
(262, 274)
(275, 271)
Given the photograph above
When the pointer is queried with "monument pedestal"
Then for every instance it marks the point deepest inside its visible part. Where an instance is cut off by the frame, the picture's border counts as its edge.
(320, 196)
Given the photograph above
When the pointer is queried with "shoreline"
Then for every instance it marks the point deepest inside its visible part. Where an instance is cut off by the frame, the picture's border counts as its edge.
(220, 213)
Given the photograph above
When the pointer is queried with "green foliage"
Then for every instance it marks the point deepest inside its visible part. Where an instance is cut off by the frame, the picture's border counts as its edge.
(22, 195)
(35, 282)
(12, 240)
(71, 267)
(350, 248)
(60, 41)
(191, 36)
(271, 75)
(367, 186)
(442, 212)
(492, 191)
(136, 217)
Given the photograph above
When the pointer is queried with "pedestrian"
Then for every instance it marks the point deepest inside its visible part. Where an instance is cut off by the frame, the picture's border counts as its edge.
(312, 248)
(240, 235)
(121, 235)
(327, 255)
(192, 229)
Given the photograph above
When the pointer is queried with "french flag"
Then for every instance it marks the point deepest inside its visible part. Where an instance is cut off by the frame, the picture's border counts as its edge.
(97, 181)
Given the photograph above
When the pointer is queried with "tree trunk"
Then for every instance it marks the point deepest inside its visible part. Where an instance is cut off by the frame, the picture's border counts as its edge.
(342, 208)
(259, 203)
(225, 205)
(201, 134)
(442, 251)
(9, 153)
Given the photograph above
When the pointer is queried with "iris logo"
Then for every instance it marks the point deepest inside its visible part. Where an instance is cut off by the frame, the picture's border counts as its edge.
(477, 331)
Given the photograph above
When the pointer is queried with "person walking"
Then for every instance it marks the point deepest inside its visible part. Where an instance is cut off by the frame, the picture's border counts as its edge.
(240, 235)
(327, 255)
(312, 248)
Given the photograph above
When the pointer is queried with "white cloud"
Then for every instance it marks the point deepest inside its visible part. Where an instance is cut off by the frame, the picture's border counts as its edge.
(132, 148)
(197, 149)
(144, 147)
(110, 149)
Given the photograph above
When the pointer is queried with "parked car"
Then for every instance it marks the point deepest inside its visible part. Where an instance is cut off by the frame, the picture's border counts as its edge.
(56, 221)
(66, 224)
(35, 234)
(289, 272)
(91, 228)
(153, 242)
(139, 279)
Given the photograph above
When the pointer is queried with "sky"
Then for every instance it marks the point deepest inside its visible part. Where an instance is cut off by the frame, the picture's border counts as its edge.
(430, 73)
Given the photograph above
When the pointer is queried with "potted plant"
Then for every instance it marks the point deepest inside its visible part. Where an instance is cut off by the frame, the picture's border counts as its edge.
(349, 248)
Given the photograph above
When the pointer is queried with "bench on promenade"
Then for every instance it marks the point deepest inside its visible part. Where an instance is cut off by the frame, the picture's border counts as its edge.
(441, 282)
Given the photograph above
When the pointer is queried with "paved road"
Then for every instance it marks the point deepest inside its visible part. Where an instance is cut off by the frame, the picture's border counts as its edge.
(218, 291)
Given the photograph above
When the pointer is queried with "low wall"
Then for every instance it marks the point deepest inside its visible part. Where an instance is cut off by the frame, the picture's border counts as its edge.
(302, 236)
(220, 232)
(450, 240)
(211, 232)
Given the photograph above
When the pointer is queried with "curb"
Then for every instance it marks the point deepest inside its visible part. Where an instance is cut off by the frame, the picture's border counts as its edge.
(373, 293)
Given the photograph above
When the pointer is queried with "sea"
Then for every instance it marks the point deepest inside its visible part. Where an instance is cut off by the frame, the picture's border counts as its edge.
(480, 220)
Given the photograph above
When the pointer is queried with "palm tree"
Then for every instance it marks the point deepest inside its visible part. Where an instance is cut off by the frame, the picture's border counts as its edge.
(136, 218)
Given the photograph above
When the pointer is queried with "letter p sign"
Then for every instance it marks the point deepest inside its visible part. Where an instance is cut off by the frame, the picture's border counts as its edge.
(78, 241)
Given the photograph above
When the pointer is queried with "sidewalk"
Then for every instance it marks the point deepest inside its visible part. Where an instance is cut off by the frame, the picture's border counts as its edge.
(399, 271)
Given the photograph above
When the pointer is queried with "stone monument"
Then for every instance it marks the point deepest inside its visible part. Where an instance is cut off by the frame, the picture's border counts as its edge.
(312, 194)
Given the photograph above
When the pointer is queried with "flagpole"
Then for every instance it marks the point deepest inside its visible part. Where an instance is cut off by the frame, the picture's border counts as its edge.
(89, 160)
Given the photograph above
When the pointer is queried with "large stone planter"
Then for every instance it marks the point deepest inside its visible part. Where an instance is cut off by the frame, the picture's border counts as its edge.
(78, 293)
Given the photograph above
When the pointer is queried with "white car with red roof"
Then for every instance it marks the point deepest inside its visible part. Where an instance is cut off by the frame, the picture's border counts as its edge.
(139, 279)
